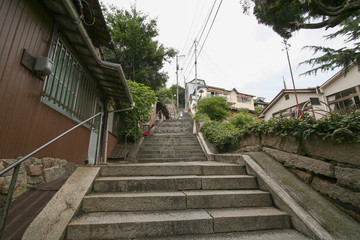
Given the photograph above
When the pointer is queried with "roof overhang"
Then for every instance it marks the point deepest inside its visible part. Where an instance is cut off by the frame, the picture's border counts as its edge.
(85, 40)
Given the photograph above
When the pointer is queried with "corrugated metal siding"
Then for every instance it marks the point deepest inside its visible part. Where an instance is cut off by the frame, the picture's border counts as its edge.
(25, 122)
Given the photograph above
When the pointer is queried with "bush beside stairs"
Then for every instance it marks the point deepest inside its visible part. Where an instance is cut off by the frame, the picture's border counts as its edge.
(174, 193)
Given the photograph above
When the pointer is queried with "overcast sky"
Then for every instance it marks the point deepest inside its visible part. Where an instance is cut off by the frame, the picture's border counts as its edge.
(238, 53)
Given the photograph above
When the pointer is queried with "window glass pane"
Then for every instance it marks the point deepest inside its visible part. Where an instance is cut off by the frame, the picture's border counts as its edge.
(348, 92)
(63, 90)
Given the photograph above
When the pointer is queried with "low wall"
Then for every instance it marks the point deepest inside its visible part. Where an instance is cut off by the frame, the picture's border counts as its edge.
(331, 168)
(33, 171)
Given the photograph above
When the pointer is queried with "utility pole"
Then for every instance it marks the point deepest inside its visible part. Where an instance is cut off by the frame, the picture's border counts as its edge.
(292, 77)
(196, 80)
(177, 80)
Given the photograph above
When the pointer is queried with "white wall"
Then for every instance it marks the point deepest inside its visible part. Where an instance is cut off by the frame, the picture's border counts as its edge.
(282, 104)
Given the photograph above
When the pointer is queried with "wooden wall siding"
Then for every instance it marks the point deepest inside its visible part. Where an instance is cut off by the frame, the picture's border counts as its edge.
(25, 122)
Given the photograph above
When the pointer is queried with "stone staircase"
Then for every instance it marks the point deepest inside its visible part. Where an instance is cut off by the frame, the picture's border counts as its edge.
(169, 195)
(172, 141)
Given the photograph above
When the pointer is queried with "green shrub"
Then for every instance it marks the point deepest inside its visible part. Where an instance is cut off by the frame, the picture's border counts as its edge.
(201, 117)
(215, 107)
(339, 128)
(224, 136)
(242, 119)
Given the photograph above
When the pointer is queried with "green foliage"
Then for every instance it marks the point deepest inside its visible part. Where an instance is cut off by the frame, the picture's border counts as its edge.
(241, 119)
(338, 128)
(164, 95)
(224, 136)
(258, 109)
(141, 56)
(215, 107)
(335, 127)
(143, 97)
(202, 118)
(288, 16)
(181, 94)
(342, 57)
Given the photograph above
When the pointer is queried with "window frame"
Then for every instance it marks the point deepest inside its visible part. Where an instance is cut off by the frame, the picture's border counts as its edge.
(76, 95)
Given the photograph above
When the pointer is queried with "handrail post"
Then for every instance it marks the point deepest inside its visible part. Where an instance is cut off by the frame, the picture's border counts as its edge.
(9, 198)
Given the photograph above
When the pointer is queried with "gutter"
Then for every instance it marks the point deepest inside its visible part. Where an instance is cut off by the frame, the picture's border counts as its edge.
(75, 17)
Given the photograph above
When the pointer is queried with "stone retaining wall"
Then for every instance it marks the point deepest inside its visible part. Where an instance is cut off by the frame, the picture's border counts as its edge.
(330, 168)
(32, 172)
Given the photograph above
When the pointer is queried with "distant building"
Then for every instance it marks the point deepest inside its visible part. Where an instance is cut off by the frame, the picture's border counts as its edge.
(341, 93)
(261, 103)
(236, 100)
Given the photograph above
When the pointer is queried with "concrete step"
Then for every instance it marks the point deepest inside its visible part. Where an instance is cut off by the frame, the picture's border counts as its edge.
(115, 225)
(128, 225)
(192, 199)
(170, 147)
(173, 138)
(170, 160)
(274, 234)
(187, 182)
(198, 150)
(168, 169)
(180, 154)
(248, 219)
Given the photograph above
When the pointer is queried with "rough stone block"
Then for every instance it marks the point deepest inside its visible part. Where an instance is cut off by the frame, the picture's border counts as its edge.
(51, 174)
(348, 176)
(297, 161)
(48, 162)
(304, 176)
(34, 180)
(336, 192)
(251, 140)
(34, 170)
(287, 144)
(344, 152)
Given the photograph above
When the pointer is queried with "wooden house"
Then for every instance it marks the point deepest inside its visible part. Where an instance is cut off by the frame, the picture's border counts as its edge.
(53, 76)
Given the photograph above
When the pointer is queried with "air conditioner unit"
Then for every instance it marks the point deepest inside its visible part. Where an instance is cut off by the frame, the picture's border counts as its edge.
(43, 66)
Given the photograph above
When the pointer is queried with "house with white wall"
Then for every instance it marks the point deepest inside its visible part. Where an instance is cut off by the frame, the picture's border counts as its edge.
(341, 93)
(235, 99)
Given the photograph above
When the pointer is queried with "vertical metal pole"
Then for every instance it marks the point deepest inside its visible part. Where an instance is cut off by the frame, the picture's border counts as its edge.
(292, 77)
(8, 198)
(177, 83)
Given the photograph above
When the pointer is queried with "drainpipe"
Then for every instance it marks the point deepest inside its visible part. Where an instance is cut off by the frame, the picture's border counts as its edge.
(76, 18)
(107, 132)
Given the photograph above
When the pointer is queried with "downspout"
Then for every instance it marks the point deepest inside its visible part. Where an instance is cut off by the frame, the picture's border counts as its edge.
(76, 18)
(107, 132)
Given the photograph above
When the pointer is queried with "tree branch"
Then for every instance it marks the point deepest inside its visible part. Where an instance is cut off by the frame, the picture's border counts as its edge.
(347, 6)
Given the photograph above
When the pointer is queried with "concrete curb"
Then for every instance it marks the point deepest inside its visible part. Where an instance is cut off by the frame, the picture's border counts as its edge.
(325, 223)
(301, 219)
(52, 221)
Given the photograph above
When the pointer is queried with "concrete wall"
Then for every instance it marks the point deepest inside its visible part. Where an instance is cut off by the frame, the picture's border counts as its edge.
(330, 168)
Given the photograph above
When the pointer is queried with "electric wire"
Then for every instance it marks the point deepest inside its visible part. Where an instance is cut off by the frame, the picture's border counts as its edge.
(217, 11)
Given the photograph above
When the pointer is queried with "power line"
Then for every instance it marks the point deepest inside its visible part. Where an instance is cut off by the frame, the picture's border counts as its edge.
(207, 20)
(217, 11)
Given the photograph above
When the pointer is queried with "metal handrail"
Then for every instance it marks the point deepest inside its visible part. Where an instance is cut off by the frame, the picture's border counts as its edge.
(127, 136)
(16, 167)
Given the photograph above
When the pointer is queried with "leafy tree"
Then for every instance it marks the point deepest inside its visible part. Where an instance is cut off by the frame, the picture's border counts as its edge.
(143, 97)
(140, 55)
(164, 95)
(215, 107)
(181, 94)
(288, 16)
